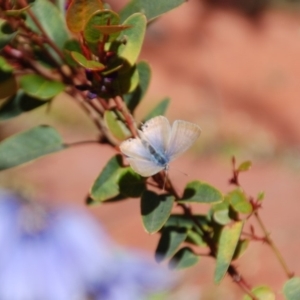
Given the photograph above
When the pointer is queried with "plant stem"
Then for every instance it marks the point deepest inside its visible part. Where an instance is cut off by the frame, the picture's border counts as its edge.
(93, 115)
(24, 3)
(240, 281)
(276, 251)
(120, 104)
(80, 143)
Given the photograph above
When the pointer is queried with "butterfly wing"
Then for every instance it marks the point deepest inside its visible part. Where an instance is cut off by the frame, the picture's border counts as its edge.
(166, 143)
(157, 132)
(143, 167)
(134, 148)
(139, 157)
(183, 136)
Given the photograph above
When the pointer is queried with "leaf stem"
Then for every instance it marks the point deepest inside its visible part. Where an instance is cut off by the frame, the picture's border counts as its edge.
(254, 237)
(276, 251)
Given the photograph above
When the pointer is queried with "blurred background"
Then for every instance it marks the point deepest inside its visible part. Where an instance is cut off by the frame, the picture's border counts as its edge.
(231, 66)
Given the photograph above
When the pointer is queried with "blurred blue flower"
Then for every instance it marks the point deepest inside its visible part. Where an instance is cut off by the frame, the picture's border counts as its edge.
(62, 254)
(132, 277)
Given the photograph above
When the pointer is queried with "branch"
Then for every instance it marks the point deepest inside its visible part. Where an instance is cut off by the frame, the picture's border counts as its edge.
(270, 242)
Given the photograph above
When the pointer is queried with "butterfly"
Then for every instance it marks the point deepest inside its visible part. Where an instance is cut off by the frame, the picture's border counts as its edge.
(158, 144)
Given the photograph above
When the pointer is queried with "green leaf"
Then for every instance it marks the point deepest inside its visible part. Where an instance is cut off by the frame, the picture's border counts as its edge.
(44, 60)
(216, 232)
(134, 37)
(29, 145)
(8, 84)
(151, 8)
(79, 11)
(171, 238)
(194, 233)
(229, 238)
(126, 81)
(184, 258)
(100, 18)
(177, 220)
(291, 289)
(201, 192)
(155, 210)
(133, 99)
(5, 66)
(262, 293)
(240, 249)
(195, 238)
(71, 45)
(239, 201)
(17, 104)
(221, 213)
(112, 67)
(38, 87)
(52, 21)
(61, 5)
(106, 185)
(131, 184)
(116, 126)
(261, 196)
(87, 64)
(244, 166)
(158, 110)
(6, 34)
(115, 180)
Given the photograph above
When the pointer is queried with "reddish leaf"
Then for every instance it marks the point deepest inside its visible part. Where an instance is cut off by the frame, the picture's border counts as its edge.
(79, 11)
(110, 29)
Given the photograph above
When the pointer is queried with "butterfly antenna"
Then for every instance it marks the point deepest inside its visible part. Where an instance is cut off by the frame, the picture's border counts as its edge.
(181, 172)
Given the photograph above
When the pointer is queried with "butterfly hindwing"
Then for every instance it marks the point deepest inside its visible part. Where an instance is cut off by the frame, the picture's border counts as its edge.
(183, 135)
(143, 167)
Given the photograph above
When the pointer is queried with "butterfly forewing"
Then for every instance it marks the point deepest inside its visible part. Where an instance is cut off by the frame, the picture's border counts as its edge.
(134, 148)
(144, 167)
(183, 135)
(157, 132)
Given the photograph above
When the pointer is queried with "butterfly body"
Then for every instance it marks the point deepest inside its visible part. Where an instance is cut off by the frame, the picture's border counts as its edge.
(158, 158)
(158, 144)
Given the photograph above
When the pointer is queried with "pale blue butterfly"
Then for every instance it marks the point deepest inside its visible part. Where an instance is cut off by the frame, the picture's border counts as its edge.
(158, 144)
